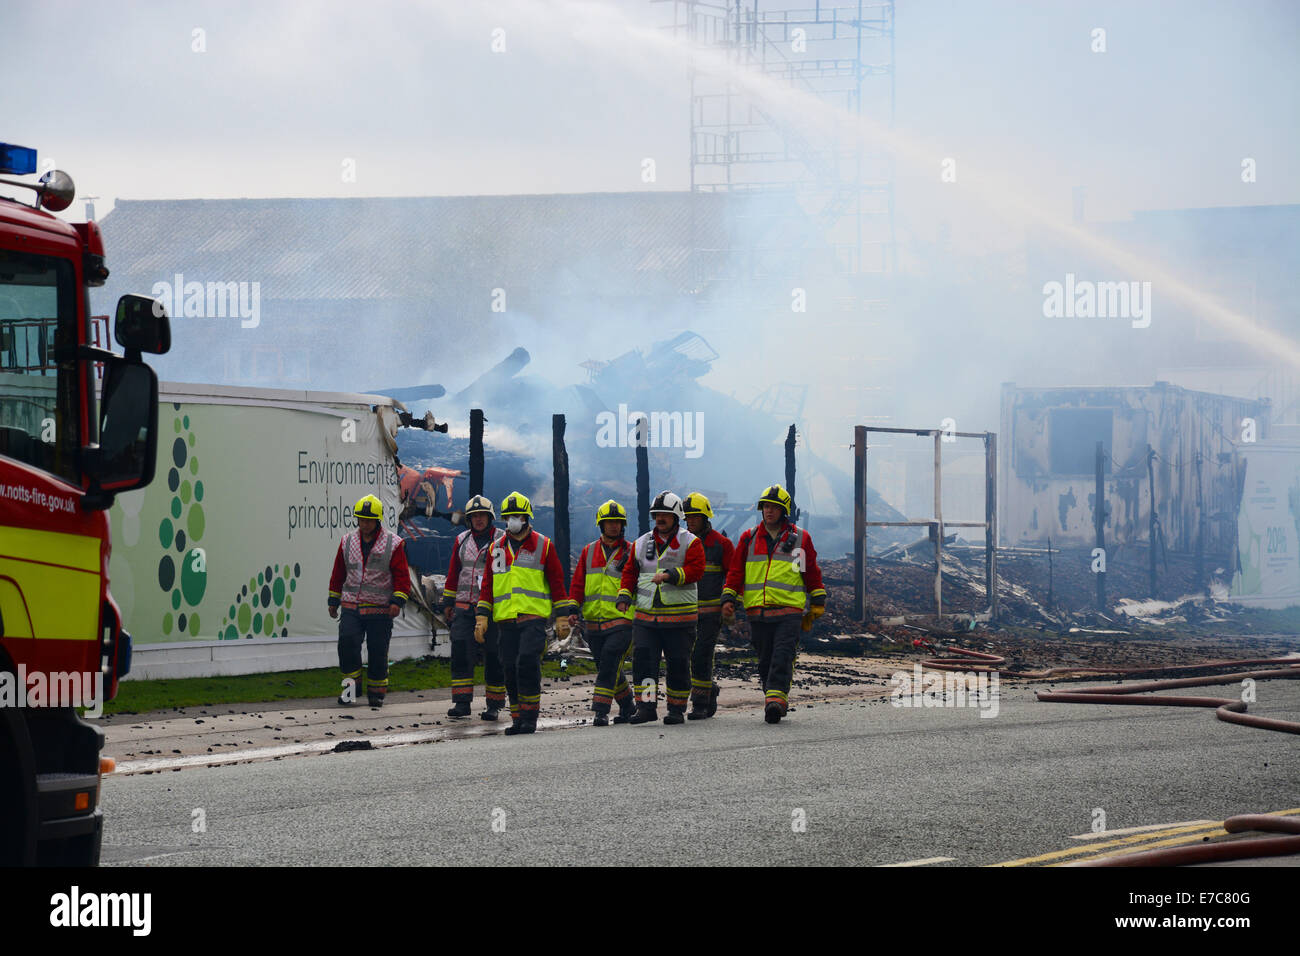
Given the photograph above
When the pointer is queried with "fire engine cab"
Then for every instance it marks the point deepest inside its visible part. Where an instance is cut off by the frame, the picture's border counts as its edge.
(78, 425)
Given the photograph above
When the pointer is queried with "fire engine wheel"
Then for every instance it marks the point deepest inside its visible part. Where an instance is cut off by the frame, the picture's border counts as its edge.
(18, 800)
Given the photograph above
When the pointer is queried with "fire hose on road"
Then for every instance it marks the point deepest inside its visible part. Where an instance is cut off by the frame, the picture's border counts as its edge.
(1145, 693)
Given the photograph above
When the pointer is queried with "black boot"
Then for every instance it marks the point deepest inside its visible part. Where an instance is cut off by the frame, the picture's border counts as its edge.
(675, 715)
(772, 713)
(376, 700)
(491, 713)
(626, 708)
(699, 710)
(524, 724)
(713, 700)
(644, 714)
(600, 720)
(459, 709)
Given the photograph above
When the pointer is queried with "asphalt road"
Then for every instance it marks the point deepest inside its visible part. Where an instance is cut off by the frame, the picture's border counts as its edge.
(847, 782)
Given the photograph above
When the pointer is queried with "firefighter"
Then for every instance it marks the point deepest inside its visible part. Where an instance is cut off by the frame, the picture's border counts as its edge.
(665, 566)
(775, 569)
(371, 581)
(595, 587)
(460, 599)
(717, 559)
(522, 584)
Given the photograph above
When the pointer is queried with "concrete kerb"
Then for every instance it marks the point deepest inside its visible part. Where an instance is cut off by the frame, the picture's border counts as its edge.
(240, 733)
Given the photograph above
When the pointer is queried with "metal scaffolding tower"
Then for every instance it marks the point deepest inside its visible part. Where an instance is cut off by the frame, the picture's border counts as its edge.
(809, 204)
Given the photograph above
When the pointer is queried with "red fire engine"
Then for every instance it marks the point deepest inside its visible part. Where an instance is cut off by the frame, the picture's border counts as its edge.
(78, 425)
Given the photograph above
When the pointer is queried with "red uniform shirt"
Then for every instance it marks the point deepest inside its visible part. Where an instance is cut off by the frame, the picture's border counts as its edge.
(756, 541)
(712, 583)
(397, 566)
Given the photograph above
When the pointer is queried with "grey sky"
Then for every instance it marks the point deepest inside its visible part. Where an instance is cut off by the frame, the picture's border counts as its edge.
(284, 92)
(412, 91)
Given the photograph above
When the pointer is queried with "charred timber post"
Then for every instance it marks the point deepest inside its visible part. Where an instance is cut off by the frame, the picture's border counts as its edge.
(476, 421)
(859, 519)
(642, 477)
(789, 472)
(991, 522)
(1151, 524)
(561, 462)
(1099, 518)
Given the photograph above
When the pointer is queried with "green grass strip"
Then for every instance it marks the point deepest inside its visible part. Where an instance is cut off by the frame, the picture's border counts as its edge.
(427, 673)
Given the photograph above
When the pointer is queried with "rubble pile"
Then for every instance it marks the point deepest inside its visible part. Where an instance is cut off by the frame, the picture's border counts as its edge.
(905, 585)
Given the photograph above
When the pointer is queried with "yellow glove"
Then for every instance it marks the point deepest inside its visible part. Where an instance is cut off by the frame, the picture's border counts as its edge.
(562, 627)
(814, 612)
(480, 628)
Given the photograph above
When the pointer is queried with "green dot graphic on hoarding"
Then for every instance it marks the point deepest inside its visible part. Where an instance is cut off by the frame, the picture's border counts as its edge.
(193, 582)
(262, 608)
(259, 608)
(186, 574)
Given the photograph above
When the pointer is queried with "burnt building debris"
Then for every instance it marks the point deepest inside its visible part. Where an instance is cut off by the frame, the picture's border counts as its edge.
(1180, 445)
(638, 402)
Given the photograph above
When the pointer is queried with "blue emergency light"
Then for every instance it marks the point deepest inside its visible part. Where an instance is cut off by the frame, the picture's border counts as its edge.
(17, 160)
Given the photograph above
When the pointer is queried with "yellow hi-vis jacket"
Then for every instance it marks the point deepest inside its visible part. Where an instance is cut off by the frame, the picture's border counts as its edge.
(598, 585)
(527, 583)
(784, 581)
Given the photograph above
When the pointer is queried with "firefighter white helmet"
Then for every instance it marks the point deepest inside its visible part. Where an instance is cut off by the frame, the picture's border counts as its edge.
(668, 503)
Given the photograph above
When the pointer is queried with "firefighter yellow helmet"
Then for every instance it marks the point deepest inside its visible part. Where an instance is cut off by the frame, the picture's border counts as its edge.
(610, 511)
(479, 504)
(368, 507)
(775, 495)
(698, 504)
(516, 504)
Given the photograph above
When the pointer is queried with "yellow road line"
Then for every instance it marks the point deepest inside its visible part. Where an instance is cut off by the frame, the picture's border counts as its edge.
(1130, 841)
(1104, 834)
(1173, 841)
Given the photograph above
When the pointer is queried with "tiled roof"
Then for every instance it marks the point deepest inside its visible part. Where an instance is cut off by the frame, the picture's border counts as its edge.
(427, 248)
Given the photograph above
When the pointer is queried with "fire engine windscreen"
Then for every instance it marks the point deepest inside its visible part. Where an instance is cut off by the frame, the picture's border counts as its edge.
(38, 420)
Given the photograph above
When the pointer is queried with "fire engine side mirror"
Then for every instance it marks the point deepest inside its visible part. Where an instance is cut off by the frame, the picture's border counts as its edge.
(142, 325)
(128, 429)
